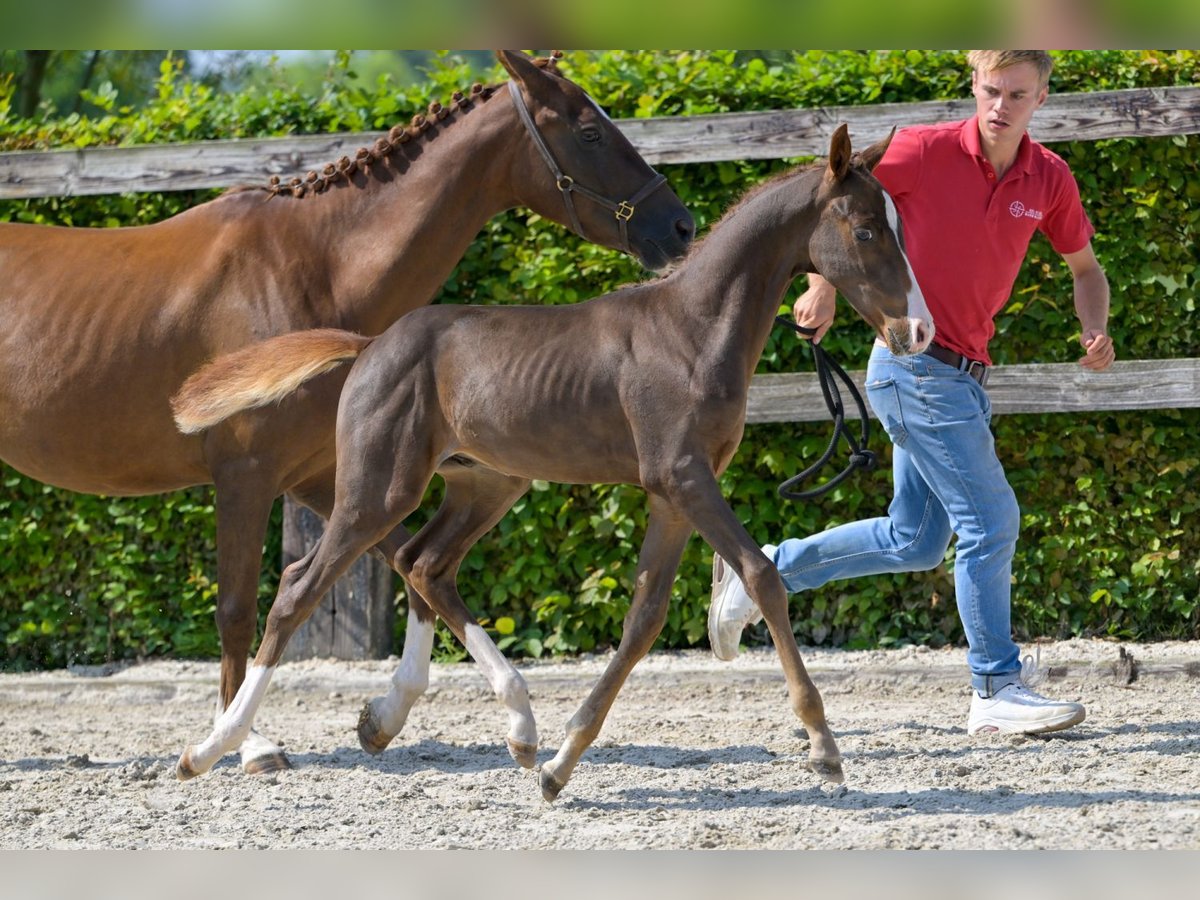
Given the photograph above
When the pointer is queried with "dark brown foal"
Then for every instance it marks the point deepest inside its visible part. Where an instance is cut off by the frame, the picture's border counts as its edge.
(646, 385)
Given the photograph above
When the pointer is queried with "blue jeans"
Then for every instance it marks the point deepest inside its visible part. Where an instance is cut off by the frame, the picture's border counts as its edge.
(948, 480)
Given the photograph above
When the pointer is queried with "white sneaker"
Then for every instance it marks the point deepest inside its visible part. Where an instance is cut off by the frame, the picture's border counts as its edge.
(1015, 709)
(730, 611)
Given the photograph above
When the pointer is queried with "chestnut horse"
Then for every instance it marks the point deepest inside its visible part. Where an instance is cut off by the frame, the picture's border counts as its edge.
(99, 327)
(646, 385)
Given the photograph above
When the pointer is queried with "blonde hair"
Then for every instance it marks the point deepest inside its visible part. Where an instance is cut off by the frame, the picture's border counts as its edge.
(990, 60)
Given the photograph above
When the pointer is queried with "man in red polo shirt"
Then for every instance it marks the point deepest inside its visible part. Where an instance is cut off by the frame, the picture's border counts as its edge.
(970, 196)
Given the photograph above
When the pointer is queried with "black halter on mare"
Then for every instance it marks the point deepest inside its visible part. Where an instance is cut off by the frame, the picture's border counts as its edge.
(860, 456)
(623, 209)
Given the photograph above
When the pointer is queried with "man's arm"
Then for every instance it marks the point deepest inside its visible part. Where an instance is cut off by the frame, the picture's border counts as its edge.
(1091, 306)
(815, 308)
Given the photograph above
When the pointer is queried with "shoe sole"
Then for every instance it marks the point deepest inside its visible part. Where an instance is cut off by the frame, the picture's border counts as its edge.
(991, 726)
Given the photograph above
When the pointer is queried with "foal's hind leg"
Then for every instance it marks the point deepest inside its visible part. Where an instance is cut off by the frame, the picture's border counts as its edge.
(382, 718)
(667, 533)
(243, 500)
(476, 499)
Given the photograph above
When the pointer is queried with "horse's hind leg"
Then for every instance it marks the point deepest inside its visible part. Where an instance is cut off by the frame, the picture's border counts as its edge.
(349, 533)
(243, 500)
(382, 718)
(476, 499)
(667, 532)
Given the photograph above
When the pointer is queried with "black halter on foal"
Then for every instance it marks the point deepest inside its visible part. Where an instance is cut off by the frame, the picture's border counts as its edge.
(860, 456)
(623, 210)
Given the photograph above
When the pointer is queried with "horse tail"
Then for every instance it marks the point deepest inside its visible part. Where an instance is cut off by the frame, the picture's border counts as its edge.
(260, 374)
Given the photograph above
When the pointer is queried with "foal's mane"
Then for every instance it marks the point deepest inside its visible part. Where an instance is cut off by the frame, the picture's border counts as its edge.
(752, 193)
(365, 157)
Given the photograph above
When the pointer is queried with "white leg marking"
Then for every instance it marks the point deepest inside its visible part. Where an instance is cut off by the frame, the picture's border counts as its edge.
(410, 680)
(507, 682)
(255, 746)
(233, 725)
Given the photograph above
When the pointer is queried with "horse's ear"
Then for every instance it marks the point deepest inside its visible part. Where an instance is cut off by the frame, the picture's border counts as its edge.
(839, 153)
(873, 154)
(520, 66)
(525, 72)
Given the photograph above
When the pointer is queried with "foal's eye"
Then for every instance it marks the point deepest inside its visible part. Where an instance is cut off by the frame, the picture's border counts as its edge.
(863, 234)
(590, 134)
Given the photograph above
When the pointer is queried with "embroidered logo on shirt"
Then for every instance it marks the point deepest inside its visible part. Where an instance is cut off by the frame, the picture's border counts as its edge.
(1017, 208)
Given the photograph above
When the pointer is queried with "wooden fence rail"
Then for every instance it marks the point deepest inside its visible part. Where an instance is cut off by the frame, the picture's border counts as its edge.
(1043, 388)
(356, 621)
(1138, 112)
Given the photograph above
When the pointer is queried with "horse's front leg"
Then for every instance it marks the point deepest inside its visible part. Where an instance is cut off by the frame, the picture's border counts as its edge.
(667, 532)
(725, 534)
(243, 501)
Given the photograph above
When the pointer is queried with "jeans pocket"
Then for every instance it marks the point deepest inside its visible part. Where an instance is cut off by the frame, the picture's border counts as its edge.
(884, 397)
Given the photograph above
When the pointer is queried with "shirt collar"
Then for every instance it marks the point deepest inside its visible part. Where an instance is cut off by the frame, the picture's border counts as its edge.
(970, 142)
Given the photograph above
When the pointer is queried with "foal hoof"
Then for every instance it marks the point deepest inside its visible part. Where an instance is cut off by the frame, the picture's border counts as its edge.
(267, 763)
(525, 754)
(829, 768)
(551, 786)
(370, 735)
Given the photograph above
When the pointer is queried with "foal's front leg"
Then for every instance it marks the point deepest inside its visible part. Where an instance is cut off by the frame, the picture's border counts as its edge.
(725, 534)
(667, 532)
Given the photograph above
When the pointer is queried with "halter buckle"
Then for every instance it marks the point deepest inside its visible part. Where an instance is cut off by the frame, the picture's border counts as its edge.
(624, 211)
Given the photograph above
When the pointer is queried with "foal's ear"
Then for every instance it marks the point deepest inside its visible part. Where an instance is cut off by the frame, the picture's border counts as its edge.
(873, 154)
(839, 153)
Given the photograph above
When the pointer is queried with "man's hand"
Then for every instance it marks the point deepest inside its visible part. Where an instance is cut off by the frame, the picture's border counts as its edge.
(1100, 350)
(816, 307)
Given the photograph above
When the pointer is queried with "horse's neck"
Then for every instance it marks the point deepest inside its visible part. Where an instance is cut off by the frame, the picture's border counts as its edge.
(392, 243)
(740, 276)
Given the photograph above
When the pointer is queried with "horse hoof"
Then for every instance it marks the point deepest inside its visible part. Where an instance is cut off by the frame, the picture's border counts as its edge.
(267, 763)
(370, 736)
(525, 754)
(184, 770)
(830, 769)
(551, 786)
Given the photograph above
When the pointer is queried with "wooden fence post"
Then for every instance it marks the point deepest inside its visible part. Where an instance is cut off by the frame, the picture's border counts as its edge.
(356, 619)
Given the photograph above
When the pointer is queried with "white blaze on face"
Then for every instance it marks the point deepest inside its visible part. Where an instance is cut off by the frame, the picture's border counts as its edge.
(920, 322)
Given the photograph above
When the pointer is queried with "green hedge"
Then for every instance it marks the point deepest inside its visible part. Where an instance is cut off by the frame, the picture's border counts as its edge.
(1107, 499)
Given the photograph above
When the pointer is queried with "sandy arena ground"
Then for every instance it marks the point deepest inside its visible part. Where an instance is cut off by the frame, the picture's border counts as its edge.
(695, 754)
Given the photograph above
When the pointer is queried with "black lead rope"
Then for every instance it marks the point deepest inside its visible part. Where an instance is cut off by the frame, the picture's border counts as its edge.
(828, 371)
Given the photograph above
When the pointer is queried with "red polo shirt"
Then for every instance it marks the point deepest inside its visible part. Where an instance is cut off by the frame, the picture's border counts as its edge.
(967, 234)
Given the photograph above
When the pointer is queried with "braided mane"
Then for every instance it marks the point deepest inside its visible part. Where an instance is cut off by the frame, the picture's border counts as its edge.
(344, 168)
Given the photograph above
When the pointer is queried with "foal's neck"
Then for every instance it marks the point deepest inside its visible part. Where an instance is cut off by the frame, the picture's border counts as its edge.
(738, 277)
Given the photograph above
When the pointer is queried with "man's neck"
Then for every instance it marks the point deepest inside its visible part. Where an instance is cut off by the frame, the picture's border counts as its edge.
(1000, 155)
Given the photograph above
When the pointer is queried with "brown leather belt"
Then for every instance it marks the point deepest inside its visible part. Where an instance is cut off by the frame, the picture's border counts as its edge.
(974, 368)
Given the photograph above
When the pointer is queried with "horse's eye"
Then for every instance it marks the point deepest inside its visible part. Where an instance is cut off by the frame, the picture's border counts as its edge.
(590, 134)
(863, 234)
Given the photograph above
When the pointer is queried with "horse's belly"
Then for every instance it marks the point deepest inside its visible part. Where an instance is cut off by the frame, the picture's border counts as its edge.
(81, 455)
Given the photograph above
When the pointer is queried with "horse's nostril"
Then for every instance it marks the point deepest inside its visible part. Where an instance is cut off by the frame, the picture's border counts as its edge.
(685, 228)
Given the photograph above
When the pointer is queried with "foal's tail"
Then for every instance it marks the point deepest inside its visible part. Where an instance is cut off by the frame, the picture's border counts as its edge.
(260, 374)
